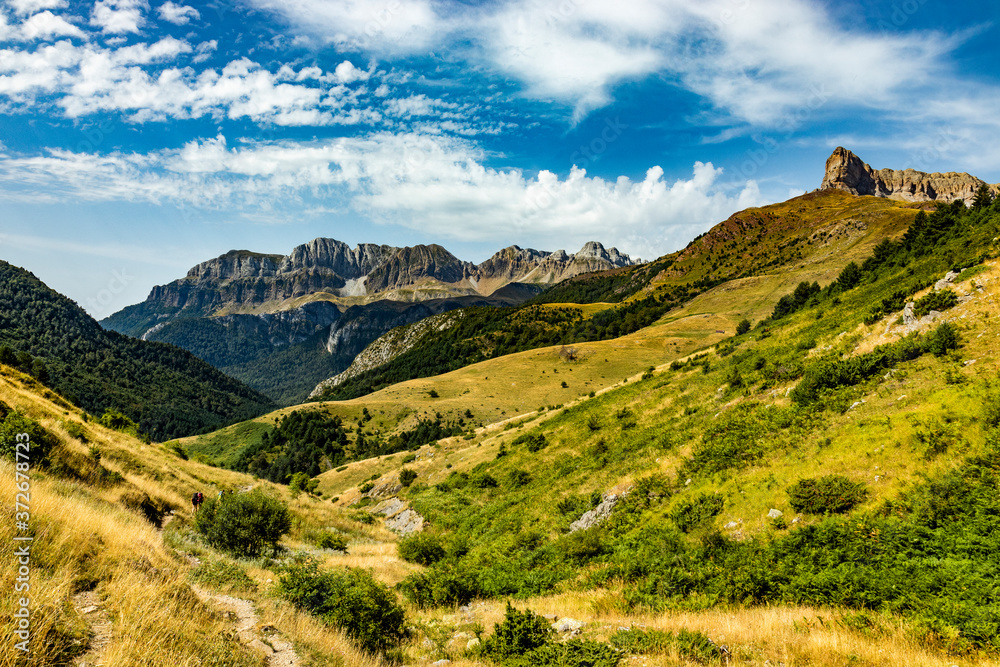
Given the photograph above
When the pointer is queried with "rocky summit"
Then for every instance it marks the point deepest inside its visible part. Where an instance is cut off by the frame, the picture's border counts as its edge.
(246, 282)
(846, 171)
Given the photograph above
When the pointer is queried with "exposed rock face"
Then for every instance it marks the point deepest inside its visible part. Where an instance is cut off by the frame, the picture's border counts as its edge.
(389, 346)
(241, 281)
(846, 171)
(597, 515)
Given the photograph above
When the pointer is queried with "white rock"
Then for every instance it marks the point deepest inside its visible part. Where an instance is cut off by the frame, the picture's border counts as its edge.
(567, 625)
(775, 514)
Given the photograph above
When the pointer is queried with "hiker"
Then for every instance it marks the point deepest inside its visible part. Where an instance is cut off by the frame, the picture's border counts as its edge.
(221, 491)
(196, 500)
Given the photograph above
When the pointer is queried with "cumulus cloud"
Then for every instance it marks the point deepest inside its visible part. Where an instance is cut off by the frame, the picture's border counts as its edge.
(118, 16)
(438, 185)
(398, 26)
(178, 14)
(46, 25)
(25, 7)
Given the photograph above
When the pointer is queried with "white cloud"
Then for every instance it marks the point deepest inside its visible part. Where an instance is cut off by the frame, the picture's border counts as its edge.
(204, 51)
(118, 16)
(178, 14)
(431, 183)
(387, 26)
(46, 25)
(346, 72)
(25, 7)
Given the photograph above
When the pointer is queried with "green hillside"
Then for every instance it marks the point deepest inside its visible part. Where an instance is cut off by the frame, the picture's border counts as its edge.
(812, 236)
(876, 442)
(168, 391)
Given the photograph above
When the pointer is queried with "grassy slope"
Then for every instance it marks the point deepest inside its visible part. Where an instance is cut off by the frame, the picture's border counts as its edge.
(86, 539)
(845, 228)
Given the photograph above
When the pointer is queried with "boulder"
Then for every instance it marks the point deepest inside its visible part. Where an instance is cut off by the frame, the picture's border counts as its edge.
(775, 514)
(597, 515)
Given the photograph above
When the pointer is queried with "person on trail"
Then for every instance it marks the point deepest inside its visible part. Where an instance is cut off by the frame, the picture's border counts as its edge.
(220, 494)
(196, 500)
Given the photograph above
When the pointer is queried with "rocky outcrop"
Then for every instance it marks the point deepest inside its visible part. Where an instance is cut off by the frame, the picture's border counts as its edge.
(399, 517)
(597, 515)
(243, 282)
(389, 346)
(846, 171)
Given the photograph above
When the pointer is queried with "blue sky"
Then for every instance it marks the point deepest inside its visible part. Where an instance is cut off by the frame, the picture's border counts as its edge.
(138, 137)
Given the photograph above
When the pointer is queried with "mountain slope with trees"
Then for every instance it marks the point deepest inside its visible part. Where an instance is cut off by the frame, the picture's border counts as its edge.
(168, 391)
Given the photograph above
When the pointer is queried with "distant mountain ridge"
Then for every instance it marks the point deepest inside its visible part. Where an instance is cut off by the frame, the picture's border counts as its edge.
(241, 281)
(846, 171)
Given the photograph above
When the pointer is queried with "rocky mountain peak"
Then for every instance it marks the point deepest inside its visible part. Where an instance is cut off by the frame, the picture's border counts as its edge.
(846, 171)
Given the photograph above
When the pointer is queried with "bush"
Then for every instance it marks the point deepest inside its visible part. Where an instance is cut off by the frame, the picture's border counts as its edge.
(690, 513)
(349, 599)
(943, 339)
(940, 300)
(328, 539)
(422, 548)
(535, 442)
(409, 458)
(366, 487)
(406, 476)
(743, 327)
(518, 634)
(243, 524)
(832, 494)
(14, 424)
(441, 586)
(518, 478)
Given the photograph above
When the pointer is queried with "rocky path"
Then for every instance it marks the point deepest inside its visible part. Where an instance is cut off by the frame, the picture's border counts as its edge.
(262, 638)
(90, 606)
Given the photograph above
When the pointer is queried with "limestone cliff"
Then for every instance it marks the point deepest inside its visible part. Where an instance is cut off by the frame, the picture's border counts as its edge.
(253, 283)
(846, 171)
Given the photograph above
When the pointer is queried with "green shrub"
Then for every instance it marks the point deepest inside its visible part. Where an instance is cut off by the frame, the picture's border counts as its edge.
(444, 585)
(409, 458)
(518, 478)
(177, 449)
(224, 575)
(14, 426)
(691, 513)
(743, 327)
(647, 642)
(422, 548)
(573, 653)
(535, 442)
(329, 539)
(485, 481)
(244, 523)
(75, 431)
(518, 634)
(940, 301)
(349, 599)
(366, 487)
(406, 476)
(832, 494)
(943, 339)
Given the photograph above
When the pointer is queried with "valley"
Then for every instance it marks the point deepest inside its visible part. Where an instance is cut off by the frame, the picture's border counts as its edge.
(778, 445)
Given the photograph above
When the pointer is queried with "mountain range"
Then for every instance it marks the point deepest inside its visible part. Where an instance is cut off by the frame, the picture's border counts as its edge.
(283, 323)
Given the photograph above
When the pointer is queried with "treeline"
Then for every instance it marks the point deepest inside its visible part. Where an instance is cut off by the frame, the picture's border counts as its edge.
(169, 392)
(312, 442)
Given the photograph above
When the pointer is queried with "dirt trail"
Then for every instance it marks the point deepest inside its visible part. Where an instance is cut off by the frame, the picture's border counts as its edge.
(90, 606)
(263, 638)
